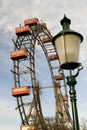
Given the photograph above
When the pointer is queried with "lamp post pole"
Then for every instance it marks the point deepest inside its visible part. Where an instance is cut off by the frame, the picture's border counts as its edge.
(71, 81)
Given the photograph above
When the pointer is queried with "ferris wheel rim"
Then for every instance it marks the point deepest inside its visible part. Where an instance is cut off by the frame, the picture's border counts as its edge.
(20, 98)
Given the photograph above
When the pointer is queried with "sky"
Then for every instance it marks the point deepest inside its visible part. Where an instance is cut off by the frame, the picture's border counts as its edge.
(13, 13)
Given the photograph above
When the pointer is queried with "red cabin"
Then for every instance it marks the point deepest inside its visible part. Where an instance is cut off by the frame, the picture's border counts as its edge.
(27, 127)
(18, 54)
(53, 57)
(22, 30)
(20, 91)
(59, 77)
(31, 22)
(46, 39)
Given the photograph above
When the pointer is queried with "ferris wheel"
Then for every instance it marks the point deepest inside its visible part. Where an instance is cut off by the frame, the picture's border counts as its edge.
(39, 89)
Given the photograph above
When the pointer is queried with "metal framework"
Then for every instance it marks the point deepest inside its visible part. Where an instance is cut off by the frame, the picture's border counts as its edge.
(25, 67)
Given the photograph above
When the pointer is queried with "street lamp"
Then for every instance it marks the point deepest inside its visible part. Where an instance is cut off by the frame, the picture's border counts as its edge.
(67, 43)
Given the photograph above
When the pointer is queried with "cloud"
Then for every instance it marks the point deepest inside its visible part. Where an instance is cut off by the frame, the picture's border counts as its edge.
(9, 118)
(83, 104)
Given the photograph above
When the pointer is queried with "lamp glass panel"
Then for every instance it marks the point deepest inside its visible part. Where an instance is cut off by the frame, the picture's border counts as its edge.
(67, 46)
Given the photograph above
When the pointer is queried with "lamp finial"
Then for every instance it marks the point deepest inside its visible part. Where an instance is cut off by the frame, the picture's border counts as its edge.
(65, 22)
